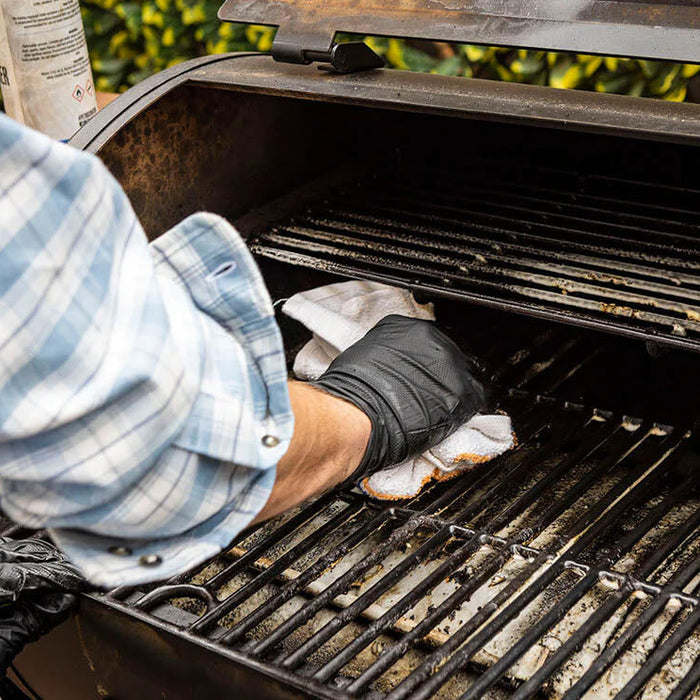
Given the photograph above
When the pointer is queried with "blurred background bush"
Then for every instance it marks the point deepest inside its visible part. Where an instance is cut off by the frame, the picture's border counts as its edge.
(131, 40)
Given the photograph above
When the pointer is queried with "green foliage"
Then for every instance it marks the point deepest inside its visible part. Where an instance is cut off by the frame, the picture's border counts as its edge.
(558, 70)
(131, 40)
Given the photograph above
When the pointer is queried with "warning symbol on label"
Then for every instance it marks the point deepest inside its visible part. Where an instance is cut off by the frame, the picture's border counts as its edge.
(78, 93)
(89, 88)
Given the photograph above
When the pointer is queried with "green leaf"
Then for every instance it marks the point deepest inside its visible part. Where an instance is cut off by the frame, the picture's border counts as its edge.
(612, 82)
(637, 88)
(665, 78)
(454, 65)
(566, 74)
(590, 64)
(649, 68)
(476, 54)
(678, 94)
(527, 66)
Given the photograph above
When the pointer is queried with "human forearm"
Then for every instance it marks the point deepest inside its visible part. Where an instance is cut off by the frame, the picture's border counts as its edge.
(329, 441)
(139, 433)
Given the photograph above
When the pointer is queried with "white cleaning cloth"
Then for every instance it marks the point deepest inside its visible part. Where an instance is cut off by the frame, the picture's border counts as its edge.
(479, 440)
(338, 316)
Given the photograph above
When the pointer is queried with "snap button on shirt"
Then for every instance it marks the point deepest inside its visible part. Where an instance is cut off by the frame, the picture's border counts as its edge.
(150, 560)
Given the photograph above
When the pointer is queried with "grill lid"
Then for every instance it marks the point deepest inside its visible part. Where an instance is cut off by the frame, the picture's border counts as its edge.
(655, 29)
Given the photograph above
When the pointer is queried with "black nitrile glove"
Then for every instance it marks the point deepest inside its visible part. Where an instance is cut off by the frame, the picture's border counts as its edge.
(37, 584)
(414, 383)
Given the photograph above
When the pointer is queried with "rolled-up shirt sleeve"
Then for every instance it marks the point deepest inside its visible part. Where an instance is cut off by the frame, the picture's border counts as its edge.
(143, 388)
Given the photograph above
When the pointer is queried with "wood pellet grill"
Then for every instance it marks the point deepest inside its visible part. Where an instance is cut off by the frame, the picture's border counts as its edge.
(557, 233)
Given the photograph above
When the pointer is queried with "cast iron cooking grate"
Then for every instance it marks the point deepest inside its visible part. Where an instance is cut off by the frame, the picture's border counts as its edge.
(570, 565)
(591, 249)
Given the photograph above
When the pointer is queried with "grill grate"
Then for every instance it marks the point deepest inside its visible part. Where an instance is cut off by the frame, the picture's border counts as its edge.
(593, 250)
(569, 566)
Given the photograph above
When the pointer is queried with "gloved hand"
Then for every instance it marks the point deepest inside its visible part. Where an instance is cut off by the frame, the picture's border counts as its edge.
(414, 383)
(37, 584)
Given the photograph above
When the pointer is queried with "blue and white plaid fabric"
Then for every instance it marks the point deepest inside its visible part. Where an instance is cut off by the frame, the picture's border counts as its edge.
(136, 382)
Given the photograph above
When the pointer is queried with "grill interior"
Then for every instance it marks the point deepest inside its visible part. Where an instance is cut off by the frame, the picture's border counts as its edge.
(569, 565)
(518, 231)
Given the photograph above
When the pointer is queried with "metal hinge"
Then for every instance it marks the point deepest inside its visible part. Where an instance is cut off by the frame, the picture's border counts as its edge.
(345, 57)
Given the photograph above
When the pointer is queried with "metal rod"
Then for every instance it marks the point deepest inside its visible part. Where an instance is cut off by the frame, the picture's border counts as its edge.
(562, 607)
(537, 368)
(520, 218)
(525, 241)
(685, 688)
(521, 466)
(551, 197)
(492, 268)
(601, 432)
(492, 233)
(546, 204)
(507, 299)
(571, 182)
(660, 655)
(182, 590)
(573, 369)
(448, 566)
(516, 362)
(290, 589)
(523, 210)
(369, 596)
(375, 628)
(275, 537)
(414, 262)
(512, 463)
(212, 617)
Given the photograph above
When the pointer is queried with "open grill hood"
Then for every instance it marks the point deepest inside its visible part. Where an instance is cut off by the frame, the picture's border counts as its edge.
(654, 29)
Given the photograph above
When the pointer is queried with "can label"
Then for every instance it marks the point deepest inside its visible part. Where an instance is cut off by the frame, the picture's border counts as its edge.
(45, 72)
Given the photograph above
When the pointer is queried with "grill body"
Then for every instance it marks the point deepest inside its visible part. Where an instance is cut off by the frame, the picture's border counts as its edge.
(557, 233)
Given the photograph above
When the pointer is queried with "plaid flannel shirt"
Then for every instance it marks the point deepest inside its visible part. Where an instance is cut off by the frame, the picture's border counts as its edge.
(143, 394)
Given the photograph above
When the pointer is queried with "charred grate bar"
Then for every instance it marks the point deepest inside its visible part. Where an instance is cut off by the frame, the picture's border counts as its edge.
(571, 565)
(592, 250)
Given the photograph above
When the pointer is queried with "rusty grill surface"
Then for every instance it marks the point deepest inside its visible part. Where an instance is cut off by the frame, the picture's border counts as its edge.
(590, 26)
(589, 249)
(570, 565)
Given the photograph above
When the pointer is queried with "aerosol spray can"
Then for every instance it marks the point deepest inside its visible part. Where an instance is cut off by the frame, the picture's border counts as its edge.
(45, 71)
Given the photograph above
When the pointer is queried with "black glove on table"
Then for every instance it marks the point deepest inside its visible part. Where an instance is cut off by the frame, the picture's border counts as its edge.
(36, 593)
(414, 383)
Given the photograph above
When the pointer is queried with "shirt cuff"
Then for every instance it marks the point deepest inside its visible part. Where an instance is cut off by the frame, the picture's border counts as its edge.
(108, 562)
